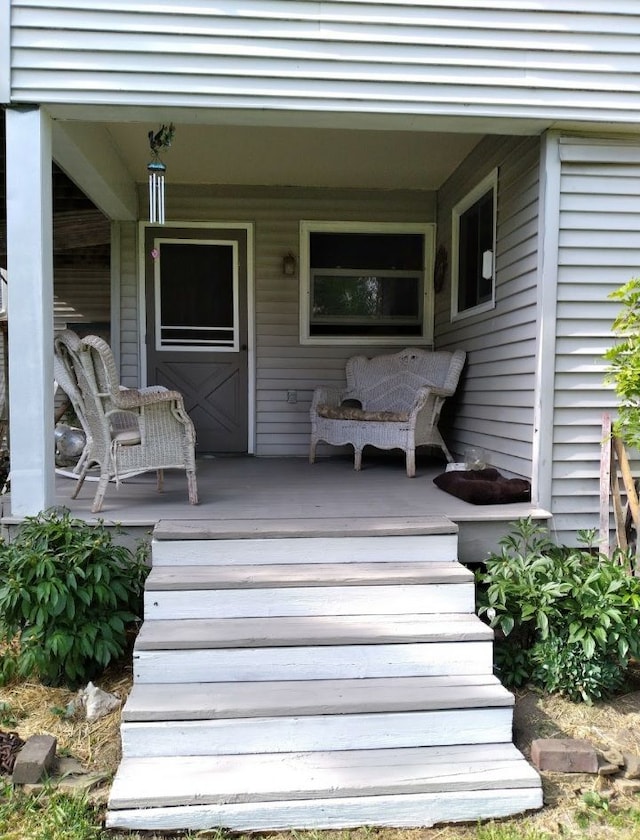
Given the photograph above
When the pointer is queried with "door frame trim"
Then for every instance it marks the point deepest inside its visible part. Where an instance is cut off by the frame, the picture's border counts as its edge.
(248, 227)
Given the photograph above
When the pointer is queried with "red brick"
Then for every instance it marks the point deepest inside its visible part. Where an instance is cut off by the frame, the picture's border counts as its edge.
(564, 755)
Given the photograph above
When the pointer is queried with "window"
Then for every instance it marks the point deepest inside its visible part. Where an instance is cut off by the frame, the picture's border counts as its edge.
(473, 250)
(365, 283)
(201, 314)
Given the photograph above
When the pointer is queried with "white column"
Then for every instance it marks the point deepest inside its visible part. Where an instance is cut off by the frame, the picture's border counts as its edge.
(30, 305)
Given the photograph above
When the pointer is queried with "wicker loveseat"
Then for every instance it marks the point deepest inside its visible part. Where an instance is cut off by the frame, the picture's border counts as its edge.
(391, 401)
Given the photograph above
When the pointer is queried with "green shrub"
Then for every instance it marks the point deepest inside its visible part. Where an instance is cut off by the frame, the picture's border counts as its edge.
(567, 618)
(624, 362)
(67, 594)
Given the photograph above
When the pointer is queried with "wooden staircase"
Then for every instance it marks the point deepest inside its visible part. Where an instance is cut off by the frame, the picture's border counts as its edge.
(316, 674)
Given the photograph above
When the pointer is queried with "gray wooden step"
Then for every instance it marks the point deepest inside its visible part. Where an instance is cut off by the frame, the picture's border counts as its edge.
(276, 576)
(281, 528)
(419, 786)
(311, 733)
(419, 548)
(295, 631)
(197, 701)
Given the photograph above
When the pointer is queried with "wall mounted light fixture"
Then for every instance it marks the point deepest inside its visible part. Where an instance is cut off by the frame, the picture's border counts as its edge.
(289, 264)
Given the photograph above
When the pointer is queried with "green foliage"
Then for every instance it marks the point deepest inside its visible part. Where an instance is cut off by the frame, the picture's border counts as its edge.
(49, 814)
(67, 594)
(624, 362)
(567, 618)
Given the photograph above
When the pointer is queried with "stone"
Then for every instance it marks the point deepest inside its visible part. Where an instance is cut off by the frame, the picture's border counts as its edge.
(606, 769)
(631, 766)
(564, 755)
(97, 703)
(614, 756)
(628, 786)
(34, 759)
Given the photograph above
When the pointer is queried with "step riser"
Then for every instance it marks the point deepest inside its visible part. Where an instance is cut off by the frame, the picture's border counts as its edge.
(317, 733)
(308, 601)
(419, 549)
(314, 663)
(405, 810)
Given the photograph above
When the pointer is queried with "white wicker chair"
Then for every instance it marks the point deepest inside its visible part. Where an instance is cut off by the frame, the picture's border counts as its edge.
(392, 402)
(129, 431)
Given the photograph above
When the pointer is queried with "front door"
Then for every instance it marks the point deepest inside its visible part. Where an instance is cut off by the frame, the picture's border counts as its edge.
(196, 306)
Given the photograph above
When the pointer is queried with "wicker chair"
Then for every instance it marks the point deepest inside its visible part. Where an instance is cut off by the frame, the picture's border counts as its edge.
(129, 431)
(390, 402)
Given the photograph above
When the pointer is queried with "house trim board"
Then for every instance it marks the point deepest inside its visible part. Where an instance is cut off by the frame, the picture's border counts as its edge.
(548, 238)
(5, 52)
(115, 297)
(248, 227)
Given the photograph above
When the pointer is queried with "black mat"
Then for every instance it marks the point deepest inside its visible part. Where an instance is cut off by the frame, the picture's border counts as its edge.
(484, 487)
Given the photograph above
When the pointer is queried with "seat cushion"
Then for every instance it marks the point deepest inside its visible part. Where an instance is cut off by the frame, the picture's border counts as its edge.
(484, 487)
(128, 437)
(347, 412)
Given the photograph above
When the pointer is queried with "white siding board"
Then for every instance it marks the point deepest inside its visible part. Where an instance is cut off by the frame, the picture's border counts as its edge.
(541, 60)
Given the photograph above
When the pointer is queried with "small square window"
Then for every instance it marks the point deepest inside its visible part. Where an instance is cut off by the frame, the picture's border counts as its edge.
(365, 283)
(473, 250)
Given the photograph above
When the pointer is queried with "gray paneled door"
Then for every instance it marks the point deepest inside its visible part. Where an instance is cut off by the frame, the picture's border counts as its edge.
(196, 299)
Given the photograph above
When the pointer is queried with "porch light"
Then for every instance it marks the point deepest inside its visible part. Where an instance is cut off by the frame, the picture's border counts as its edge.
(158, 140)
(289, 264)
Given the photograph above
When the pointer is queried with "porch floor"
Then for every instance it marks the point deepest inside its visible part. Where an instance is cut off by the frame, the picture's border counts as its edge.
(287, 488)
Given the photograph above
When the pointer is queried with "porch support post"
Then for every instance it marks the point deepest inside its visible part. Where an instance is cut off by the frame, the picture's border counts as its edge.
(30, 306)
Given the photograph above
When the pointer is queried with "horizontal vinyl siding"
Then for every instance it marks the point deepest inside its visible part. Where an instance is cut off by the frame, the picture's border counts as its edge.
(495, 403)
(599, 250)
(547, 59)
(283, 428)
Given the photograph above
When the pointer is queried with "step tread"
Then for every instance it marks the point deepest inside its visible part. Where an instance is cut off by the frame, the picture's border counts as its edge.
(212, 529)
(296, 631)
(307, 574)
(203, 701)
(185, 780)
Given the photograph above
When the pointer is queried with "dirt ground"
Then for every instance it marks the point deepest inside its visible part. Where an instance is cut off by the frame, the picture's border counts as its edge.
(30, 708)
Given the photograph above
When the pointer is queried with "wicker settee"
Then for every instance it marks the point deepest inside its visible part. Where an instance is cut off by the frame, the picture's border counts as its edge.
(391, 401)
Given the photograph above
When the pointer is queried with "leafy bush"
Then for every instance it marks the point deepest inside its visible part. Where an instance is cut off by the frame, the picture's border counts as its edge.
(67, 594)
(567, 618)
(624, 359)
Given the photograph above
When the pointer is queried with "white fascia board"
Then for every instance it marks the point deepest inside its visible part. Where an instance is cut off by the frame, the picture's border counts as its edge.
(548, 236)
(5, 52)
(87, 156)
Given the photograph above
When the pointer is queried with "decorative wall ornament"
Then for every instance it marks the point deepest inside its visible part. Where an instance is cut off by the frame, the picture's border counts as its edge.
(158, 140)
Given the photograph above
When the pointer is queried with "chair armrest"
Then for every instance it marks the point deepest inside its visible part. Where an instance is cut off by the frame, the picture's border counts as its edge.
(137, 398)
(424, 393)
(326, 396)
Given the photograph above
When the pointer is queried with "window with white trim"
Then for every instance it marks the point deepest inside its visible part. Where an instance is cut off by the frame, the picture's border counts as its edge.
(473, 225)
(363, 283)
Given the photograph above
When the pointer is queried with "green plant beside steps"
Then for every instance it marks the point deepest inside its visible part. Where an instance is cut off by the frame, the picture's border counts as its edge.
(67, 596)
(567, 619)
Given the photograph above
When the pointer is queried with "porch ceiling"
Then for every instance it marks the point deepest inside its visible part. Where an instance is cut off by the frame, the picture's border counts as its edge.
(291, 155)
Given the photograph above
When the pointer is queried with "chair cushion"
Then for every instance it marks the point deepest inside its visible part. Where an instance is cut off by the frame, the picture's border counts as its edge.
(128, 437)
(484, 487)
(347, 412)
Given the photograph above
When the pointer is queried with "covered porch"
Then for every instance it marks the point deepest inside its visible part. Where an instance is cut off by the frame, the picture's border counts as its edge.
(265, 492)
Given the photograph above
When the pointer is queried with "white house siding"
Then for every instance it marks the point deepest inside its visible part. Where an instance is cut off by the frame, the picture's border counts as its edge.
(599, 250)
(494, 408)
(282, 362)
(564, 59)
